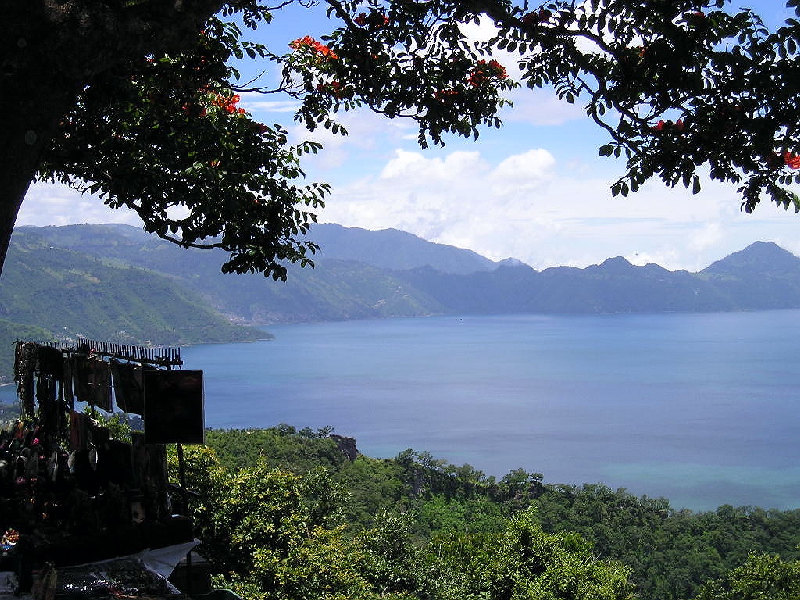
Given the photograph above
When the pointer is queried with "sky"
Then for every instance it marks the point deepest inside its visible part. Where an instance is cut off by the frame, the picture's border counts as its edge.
(534, 190)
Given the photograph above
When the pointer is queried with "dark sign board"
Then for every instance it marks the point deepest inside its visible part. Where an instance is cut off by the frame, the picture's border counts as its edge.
(173, 407)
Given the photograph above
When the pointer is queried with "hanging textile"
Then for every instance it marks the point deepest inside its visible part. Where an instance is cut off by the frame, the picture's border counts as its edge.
(24, 367)
(78, 431)
(128, 382)
(93, 382)
(50, 361)
(80, 364)
(150, 475)
(49, 408)
(67, 387)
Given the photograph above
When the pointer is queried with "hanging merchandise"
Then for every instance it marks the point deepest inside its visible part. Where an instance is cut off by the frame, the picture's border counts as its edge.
(24, 368)
(89, 476)
(149, 463)
(49, 408)
(93, 382)
(67, 381)
(128, 381)
(78, 431)
(100, 383)
(50, 361)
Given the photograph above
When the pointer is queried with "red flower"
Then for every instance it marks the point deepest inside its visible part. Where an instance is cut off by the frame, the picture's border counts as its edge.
(334, 88)
(535, 18)
(485, 71)
(445, 94)
(228, 103)
(791, 160)
(662, 125)
(299, 43)
(374, 19)
(313, 45)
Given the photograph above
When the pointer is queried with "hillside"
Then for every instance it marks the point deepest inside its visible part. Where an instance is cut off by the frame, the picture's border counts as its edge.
(338, 289)
(747, 280)
(117, 283)
(53, 293)
(395, 250)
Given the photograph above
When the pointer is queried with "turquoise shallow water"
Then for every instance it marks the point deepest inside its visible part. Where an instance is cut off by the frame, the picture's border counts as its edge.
(701, 409)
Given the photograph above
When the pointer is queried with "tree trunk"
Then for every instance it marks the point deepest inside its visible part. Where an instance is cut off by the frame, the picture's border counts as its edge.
(50, 50)
(29, 111)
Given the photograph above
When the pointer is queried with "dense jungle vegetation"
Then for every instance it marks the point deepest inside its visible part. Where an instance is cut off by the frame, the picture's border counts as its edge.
(284, 513)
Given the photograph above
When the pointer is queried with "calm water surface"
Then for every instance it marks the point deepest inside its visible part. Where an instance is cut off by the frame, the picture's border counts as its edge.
(701, 409)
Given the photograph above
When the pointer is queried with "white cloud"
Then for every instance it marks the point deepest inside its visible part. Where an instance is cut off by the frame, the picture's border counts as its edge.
(408, 168)
(525, 204)
(526, 207)
(255, 104)
(58, 204)
(522, 173)
(368, 135)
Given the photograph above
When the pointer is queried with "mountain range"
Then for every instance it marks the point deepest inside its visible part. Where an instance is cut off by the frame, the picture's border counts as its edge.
(118, 283)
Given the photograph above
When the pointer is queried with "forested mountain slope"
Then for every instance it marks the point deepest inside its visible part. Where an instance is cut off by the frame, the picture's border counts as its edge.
(52, 293)
(363, 274)
(117, 283)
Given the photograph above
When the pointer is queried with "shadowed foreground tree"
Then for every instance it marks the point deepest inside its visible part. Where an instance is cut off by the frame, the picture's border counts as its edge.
(137, 101)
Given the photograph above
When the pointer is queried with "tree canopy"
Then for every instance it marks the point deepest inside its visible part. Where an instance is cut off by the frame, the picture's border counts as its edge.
(287, 512)
(138, 101)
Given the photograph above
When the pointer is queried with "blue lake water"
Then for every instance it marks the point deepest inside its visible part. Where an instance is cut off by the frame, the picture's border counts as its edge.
(698, 408)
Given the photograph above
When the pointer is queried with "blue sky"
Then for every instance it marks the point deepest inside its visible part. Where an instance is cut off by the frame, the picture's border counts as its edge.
(534, 190)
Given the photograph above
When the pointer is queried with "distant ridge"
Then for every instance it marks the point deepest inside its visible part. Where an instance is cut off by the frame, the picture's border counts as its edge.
(394, 249)
(759, 258)
(116, 281)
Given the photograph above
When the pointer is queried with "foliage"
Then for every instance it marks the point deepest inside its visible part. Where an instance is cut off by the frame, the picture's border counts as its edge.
(401, 59)
(72, 295)
(119, 428)
(283, 446)
(428, 517)
(761, 576)
(172, 130)
(671, 552)
(526, 562)
(267, 532)
(270, 533)
(680, 87)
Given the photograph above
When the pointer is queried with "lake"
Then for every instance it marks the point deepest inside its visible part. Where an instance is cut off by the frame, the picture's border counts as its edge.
(697, 408)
